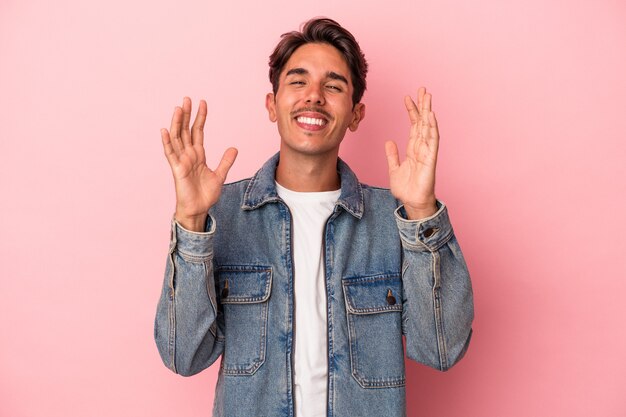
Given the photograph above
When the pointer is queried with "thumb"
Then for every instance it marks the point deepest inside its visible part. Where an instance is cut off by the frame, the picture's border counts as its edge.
(226, 163)
(393, 159)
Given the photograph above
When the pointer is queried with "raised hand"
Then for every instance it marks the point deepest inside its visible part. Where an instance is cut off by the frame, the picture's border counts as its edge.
(413, 181)
(198, 187)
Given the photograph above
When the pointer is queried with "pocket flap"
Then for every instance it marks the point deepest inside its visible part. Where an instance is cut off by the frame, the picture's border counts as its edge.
(375, 294)
(243, 284)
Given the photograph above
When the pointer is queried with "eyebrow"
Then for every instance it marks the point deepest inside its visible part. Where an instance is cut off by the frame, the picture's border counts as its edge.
(335, 76)
(330, 74)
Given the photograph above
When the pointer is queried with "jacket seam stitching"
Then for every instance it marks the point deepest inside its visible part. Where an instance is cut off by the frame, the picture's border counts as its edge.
(172, 317)
(443, 356)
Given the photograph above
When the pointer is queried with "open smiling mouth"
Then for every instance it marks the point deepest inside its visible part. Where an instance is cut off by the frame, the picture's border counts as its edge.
(311, 123)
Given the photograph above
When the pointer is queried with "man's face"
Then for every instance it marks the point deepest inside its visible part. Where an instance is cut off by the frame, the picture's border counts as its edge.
(313, 104)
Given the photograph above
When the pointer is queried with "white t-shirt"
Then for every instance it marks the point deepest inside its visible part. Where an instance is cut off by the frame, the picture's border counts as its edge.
(309, 213)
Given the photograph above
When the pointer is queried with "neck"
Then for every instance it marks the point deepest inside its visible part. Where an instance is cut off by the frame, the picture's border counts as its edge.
(307, 173)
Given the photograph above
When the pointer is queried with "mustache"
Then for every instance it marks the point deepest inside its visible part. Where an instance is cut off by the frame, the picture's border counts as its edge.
(311, 109)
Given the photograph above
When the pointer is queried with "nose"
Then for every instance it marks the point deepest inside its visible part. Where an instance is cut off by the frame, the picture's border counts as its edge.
(314, 95)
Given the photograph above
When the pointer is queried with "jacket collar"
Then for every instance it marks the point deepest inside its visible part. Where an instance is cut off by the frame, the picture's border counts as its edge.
(262, 188)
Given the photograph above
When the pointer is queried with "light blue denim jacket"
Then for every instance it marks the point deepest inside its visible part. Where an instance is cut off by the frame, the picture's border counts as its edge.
(229, 292)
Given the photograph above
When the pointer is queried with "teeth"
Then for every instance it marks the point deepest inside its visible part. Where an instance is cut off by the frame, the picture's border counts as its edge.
(310, 121)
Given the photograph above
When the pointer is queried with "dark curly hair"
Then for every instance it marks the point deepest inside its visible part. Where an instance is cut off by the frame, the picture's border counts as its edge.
(322, 30)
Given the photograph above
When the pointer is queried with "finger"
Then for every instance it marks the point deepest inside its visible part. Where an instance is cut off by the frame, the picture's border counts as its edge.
(393, 159)
(428, 101)
(177, 120)
(425, 109)
(411, 108)
(197, 130)
(424, 130)
(432, 121)
(227, 161)
(185, 134)
(433, 129)
(168, 149)
(420, 97)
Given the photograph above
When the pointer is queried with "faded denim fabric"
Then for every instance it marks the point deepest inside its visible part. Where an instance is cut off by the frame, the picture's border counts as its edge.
(229, 292)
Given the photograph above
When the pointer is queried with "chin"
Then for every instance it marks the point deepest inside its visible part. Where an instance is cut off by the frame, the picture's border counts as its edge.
(307, 147)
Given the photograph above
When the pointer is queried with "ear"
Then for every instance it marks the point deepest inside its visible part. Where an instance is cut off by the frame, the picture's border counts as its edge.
(270, 105)
(358, 114)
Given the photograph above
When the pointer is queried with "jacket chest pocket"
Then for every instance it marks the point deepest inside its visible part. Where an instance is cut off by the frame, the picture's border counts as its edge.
(374, 314)
(243, 293)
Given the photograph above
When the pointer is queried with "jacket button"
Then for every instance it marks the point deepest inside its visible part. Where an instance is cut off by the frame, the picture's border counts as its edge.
(391, 300)
(429, 232)
(225, 290)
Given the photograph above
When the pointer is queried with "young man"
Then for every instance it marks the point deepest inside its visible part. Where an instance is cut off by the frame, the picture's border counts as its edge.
(303, 279)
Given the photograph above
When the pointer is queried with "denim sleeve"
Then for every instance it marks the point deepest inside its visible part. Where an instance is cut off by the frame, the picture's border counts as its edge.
(438, 306)
(185, 327)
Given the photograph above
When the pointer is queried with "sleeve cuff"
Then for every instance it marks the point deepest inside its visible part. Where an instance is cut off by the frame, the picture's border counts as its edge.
(426, 234)
(197, 244)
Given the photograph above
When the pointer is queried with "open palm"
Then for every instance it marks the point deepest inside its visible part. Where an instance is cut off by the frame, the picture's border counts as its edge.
(412, 181)
(198, 187)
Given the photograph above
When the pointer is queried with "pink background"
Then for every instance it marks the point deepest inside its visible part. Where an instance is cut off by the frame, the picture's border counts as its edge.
(530, 97)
